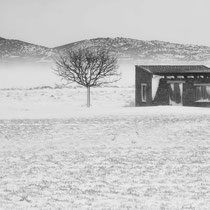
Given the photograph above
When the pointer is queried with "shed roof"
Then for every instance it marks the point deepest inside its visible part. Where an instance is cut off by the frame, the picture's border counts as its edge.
(175, 69)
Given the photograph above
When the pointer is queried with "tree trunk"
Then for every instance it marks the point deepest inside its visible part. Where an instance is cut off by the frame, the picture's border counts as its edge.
(88, 96)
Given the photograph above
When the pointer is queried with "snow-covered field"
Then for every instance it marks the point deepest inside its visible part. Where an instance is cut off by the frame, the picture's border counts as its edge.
(57, 154)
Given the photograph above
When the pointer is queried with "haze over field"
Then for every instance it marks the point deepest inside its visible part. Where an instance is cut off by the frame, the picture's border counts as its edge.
(25, 65)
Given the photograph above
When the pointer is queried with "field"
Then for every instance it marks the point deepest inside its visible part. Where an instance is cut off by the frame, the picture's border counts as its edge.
(57, 154)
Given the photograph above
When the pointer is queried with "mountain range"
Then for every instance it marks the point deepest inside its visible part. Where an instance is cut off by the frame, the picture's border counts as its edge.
(128, 51)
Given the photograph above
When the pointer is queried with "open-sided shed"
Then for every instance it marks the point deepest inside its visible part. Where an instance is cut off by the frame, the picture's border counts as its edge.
(187, 85)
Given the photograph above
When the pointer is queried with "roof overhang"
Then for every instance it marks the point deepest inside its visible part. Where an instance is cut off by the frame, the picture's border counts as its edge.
(175, 70)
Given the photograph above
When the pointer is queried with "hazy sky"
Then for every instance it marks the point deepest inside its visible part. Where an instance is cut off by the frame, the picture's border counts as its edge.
(56, 22)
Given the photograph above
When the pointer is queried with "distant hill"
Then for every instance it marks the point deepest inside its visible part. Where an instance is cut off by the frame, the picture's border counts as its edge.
(128, 50)
(15, 50)
(133, 50)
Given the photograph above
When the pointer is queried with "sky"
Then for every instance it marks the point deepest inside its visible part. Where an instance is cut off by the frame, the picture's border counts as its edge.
(56, 22)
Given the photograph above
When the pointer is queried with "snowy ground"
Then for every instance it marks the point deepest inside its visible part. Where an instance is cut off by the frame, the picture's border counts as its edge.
(57, 154)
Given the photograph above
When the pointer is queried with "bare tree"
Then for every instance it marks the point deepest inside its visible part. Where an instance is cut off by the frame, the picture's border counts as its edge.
(87, 67)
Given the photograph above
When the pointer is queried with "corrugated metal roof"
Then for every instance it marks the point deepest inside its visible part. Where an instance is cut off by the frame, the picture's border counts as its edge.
(175, 69)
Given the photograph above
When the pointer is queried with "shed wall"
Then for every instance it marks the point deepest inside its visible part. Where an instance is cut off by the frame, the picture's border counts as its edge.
(143, 77)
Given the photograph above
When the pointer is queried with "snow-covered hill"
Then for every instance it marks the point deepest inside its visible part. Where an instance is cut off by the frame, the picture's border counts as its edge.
(16, 50)
(135, 51)
(128, 50)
